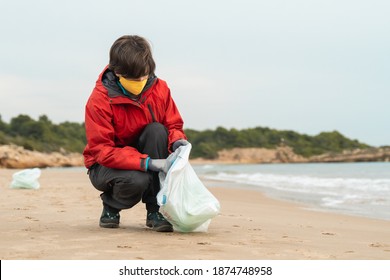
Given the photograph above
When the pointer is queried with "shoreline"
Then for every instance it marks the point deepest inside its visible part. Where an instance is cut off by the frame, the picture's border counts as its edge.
(60, 221)
(303, 205)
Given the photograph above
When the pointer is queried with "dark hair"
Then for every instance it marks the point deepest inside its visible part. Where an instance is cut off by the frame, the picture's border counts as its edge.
(131, 57)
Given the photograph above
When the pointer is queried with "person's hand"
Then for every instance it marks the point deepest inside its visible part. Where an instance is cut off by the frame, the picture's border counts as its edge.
(178, 143)
(159, 165)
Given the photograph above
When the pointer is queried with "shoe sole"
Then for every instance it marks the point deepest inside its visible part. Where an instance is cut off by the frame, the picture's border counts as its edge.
(162, 228)
(108, 225)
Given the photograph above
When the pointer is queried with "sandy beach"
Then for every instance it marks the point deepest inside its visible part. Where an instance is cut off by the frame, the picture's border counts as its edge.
(60, 221)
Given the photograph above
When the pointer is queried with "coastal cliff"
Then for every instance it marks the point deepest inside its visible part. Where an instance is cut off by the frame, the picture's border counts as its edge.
(12, 156)
(285, 154)
(357, 155)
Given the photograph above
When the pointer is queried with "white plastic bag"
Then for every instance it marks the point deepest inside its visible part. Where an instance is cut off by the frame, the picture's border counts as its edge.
(26, 179)
(184, 201)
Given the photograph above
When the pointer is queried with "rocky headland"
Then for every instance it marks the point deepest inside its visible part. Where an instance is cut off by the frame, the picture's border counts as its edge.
(285, 154)
(12, 156)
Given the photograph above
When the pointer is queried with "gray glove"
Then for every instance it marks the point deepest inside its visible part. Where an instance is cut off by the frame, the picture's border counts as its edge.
(159, 165)
(178, 143)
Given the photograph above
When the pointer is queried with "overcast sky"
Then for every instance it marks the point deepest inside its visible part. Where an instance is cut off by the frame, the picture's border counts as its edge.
(302, 65)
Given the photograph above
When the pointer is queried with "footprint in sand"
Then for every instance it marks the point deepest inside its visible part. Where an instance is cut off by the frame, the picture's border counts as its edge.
(32, 219)
(379, 245)
(124, 247)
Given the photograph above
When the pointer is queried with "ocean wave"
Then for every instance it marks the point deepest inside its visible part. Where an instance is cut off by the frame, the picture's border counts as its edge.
(305, 182)
(362, 189)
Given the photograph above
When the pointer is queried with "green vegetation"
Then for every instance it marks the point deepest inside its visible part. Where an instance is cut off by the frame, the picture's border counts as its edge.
(43, 135)
(207, 143)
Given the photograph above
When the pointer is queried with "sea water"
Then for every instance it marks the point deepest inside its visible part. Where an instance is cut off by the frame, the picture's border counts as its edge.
(361, 189)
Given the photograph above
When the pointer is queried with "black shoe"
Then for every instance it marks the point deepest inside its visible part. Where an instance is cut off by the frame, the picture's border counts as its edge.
(109, 218)
(157, 222)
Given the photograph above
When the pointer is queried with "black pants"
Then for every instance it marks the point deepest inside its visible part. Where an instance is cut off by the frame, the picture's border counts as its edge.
(122, 189)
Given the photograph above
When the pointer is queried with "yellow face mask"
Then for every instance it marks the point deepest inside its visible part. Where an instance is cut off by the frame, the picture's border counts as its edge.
(135, 87)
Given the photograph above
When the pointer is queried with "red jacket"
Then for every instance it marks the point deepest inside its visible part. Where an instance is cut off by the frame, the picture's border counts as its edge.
(113, 122)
